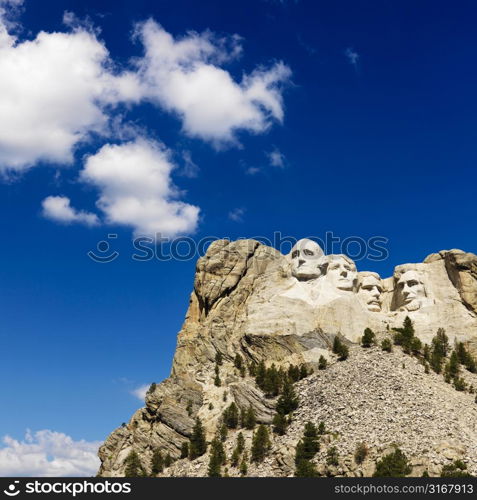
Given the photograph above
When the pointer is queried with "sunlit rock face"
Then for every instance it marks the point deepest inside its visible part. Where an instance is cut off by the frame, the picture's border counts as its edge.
(252, 300)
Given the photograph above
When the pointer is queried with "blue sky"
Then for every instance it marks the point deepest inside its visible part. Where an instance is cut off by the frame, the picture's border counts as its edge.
(305, 117)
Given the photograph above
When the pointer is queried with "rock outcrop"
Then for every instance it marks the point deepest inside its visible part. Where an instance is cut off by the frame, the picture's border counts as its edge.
(250, 299)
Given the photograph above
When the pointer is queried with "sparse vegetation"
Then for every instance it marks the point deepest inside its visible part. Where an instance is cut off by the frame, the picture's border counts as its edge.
(369, 338)
(322, 363)
(332, 457)
(387, 345)
(457, 469)
(260, 444)
(157, 462)
(394, 464)
(340, 349)
(361, 453)
(133, 465)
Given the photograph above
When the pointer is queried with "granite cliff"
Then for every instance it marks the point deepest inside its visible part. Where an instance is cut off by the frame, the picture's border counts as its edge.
(251, 300)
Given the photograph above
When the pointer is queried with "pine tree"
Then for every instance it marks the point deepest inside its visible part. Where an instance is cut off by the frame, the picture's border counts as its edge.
(280, 424)
(219, 359)
(457, 469)
(340, 349)
(440, 343)
(217, 381)
(168, 461)
(436, 360)
(303, 372)
(394, 464)
(369, 338)
(332, 456)
(271, 382)
(321, 428)
(427, 353)
(223, 432)
(453, 365)
(386, 345)
(250, 420)
(243, 372)
(231, 416)
(234, 460)
(185, 449)
(322, 363)
(260, 444)
(361, 453)
(243, 465)
(238, 361)
(133, 465)
(405, 335)
(240, 442)
(294, 373)
(198, 444)
(157, 462)
(260, 375)
(217, 458)
(305, 468)
(288, 401)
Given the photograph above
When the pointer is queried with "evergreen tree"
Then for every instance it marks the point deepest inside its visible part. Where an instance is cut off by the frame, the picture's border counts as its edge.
(223, 432)
(280, 424)
(294, 373)
(271, 382)
(217, 381)
(231, 416)
(340, 349)
(305, 468)
(453, 365)
(168, 461)
(386, 345)
(457, 469)
(219, 359)
(369, 338)
(361, 453)
(157, 462)
(217, 458)
(332, 457)
(250, 420)
(427, 353)
(240, 443)
(405, 335)
(322, 363)
(440, 343)
(152, 388)
(243, 372)
(436, 360)
(260, 444)
(198, 444)
(252, 369)
(260, 374)
(234, 460)
(321, 428)
(416, 346)
(238, 361)
(394, 464)
(288, 401)
(243, 465)
(303, 372)
(185, 449)
(134, 467)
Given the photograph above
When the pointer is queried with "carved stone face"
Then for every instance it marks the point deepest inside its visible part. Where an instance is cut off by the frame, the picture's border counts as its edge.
(411, 291)
(370, 291)
(306, 259)
(342, 272)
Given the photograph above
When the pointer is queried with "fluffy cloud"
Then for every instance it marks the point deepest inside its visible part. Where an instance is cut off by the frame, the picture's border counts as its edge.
(276, 158)
(55, 90)
(48, 454)
(134, 180)
(184, 76)
(59, 209)
(237, 214)
(140, 392)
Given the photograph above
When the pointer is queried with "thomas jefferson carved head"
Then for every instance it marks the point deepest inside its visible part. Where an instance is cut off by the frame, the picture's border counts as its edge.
(370, 290)
(306, 259)
(341, 272)
(410, 290)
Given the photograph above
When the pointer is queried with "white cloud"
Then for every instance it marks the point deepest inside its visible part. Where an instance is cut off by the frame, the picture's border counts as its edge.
(136, 188)
(276, 158)
(58, 208)
(184, 76)
(48, 454)
(140, 392)
(237, 214)
(352, 56)
(54, 91)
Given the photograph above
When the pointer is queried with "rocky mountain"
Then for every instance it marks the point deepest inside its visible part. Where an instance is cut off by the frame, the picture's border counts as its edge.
(254, 304)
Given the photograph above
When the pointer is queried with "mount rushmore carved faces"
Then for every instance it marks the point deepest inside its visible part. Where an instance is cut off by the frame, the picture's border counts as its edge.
(410, 290)
(370, 290)
(306, 260)
(342, 272)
